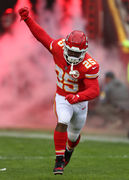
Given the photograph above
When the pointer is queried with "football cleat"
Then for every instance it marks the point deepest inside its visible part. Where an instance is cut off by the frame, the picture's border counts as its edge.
(59, 165)
(68, 155)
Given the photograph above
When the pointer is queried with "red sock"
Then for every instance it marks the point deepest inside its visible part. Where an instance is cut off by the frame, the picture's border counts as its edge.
(71, 145)
(60, 139)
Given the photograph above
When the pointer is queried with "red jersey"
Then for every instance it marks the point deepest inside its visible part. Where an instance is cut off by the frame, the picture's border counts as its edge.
(72, 84)
(84, 82)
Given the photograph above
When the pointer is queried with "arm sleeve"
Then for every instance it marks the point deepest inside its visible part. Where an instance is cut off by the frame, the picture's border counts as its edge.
(93, 72)
(92, 90)
(39, 33)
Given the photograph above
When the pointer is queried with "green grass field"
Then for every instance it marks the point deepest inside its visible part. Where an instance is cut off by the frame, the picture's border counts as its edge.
(33, 159)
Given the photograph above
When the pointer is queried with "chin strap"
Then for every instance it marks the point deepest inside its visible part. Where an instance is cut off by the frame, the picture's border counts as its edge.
(72, 72)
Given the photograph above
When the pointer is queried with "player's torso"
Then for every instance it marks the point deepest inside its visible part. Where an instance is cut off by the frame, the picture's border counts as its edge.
(66, 83)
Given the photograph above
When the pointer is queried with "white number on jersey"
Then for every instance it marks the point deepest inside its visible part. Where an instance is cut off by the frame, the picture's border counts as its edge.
(65, 81)
(88, 63)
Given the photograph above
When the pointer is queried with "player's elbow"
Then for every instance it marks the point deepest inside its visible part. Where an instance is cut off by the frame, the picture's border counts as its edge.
(97, 91)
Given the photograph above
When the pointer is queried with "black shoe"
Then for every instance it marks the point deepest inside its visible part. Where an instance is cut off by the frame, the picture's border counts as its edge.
(68, 155)
(59, 165)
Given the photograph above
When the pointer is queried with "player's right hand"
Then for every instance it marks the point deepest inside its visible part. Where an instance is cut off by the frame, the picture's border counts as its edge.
(24, 13)
(72, 99)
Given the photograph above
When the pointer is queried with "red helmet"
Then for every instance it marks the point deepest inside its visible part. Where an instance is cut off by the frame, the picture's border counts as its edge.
(75, 47)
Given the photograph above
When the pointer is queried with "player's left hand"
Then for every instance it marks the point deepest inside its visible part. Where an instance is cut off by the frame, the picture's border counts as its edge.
(72, 99)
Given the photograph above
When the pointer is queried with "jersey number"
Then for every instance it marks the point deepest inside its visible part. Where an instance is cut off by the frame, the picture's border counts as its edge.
(65, 81)
(88, 63)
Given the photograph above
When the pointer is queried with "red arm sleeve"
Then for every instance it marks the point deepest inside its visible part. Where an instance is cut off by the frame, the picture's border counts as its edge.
(92, 90)
(39, 33)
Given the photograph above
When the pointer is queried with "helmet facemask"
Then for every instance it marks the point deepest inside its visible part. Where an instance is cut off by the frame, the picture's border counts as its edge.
(73, 55)
(75, 47)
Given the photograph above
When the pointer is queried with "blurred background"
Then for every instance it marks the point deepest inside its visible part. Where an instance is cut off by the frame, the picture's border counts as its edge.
(27, 76)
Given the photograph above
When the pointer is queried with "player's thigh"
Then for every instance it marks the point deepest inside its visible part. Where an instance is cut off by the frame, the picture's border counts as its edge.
(78, 120)
(64, 110)
(80, 115)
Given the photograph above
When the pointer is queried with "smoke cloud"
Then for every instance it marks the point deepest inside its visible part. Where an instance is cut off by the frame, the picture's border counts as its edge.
(27, 76)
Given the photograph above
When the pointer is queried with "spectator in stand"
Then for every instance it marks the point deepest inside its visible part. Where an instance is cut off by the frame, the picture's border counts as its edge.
(6, 21)
(113, 101)
(7, 15)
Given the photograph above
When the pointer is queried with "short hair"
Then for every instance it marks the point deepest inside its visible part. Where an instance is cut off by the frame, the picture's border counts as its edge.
(110, 75)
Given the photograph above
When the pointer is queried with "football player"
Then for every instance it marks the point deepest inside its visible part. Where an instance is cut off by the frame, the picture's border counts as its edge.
(77, 83)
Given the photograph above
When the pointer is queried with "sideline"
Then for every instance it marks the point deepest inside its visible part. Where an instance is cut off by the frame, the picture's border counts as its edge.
(50, 136)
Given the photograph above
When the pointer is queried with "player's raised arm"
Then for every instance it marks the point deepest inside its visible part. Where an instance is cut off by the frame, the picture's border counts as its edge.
(38, 32)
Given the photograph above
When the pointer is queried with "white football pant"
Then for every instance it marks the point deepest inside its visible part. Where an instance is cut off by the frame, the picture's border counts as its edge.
(73, 115)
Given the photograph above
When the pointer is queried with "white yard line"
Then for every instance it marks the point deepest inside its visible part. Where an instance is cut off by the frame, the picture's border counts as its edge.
(105, 139)
(26, 135)
(24, 157)
(50, 136)
(52, 157)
